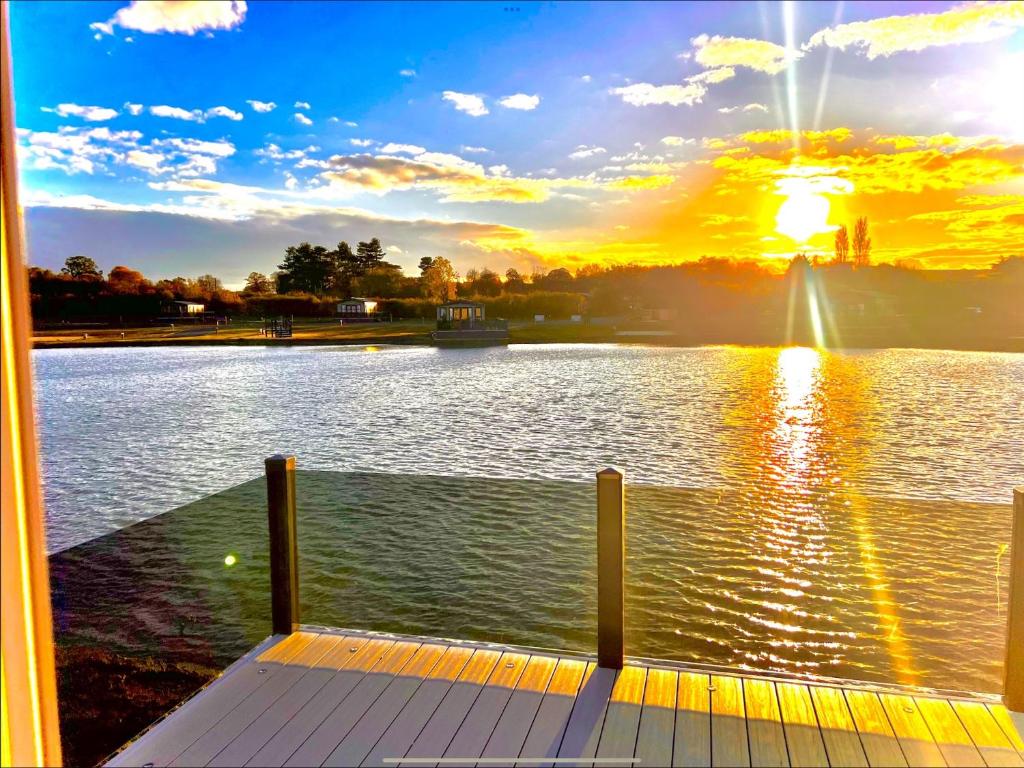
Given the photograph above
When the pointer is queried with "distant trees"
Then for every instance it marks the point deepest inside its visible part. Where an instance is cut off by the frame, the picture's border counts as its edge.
(514, 282)
(308, 268)
(439, 280)
(861, 243)
(258, 283)
(81, 266)
(209, 285)
(425, 264)
(842, 245)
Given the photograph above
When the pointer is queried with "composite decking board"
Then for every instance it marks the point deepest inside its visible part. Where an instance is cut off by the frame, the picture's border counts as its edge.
(692, 746)
(401, 733)
(326, 736)
(359, 742)
(211, 743)
(257, 734)
(954, 742)
(548, 728)
(437, 734)
(658, 718)
(297, 729)
(988, 737)
(177, 733)
(583, 732)
(1012, 725)
(911, 731)
(622, 720)
(729, 745)
(800, 724)
(765, 735)
(509, 734)
(876, 735)
(471, 737)
(838, 731)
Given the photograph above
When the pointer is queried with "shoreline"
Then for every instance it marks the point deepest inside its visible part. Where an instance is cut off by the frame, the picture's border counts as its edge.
(1008, 345)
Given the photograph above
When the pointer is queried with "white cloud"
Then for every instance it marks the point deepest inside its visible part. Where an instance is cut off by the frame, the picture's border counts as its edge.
(177, 16)
(719, 75)
(747, 108)
(474, 150)
(197, 146)
(966, 23)
(586, 78)
(302, 119)
(224, 112)
(760, 55)
(134, 109)
(583, 151)
(89, 114)
(361, 142)
(194, 115)
(407, 72)
(290, 182)
(466, 102)
(520, 101)
(498, 170)
(646, 94)
(151, 162)
(676, 141)
(261, 106)
(392, 148)
(303, 105)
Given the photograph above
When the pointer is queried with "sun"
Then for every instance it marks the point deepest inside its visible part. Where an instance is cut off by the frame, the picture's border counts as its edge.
(803, 215)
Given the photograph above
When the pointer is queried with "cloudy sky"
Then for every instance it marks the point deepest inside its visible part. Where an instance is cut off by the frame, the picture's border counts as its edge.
(187, 137)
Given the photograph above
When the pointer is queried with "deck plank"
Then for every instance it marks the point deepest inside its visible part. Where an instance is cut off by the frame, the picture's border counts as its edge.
(471, 737)
(1011, 723)
(205, 748)
(180, 730)
(766, 738)
(355, 747)
(583, 733)
(406, 727)
(729, 743)
(437, 734)
(876, 735)
(988, 737)
(911, 731)
(692, 745)
(256, 736)
(800, 723)
(954, 743)
(326, 735)
(622, 720)
(299, 726)
(838, 731)
(509, 735)
(548, 728)
(658, 718)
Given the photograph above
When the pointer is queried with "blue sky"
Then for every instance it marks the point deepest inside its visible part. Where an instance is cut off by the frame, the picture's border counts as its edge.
(623, 126)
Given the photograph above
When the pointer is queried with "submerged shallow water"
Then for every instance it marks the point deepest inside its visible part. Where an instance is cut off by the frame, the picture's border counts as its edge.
(830, 513)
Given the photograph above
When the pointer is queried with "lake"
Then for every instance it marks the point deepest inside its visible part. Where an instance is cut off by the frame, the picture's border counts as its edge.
(808, 511)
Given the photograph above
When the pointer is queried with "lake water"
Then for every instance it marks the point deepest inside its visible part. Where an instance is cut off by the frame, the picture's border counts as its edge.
(830, 513)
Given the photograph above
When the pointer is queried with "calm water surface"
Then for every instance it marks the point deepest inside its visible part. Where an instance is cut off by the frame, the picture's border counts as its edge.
(823, 512)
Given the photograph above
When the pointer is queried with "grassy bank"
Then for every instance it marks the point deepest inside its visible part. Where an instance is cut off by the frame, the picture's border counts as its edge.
(318, 331)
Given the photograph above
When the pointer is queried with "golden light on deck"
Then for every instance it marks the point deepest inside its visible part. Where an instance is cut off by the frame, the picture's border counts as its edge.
(230, 560)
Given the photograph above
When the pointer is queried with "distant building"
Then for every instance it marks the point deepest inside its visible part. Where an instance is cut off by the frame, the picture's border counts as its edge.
(185, 308)
(357, 308)
(460, 312)
(462, 323)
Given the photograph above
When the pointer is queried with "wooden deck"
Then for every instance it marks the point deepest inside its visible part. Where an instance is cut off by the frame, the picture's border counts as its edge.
(334, 697)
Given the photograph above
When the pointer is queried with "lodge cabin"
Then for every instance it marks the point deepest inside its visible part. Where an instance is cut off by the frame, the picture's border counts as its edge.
(465, 323)
(185, 311)
(358, 309)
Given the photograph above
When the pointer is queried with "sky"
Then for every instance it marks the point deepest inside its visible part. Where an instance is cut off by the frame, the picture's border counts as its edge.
(182, 138)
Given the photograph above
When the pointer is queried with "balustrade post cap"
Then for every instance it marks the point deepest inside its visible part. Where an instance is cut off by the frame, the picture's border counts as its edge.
(279, 460)
(610, 473)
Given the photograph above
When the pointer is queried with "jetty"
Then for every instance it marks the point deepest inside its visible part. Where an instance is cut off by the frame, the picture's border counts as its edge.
(311, 695)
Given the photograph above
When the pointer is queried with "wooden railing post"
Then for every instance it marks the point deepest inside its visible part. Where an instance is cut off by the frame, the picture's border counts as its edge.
(284, 548)
(611, 550)
(1013, 685)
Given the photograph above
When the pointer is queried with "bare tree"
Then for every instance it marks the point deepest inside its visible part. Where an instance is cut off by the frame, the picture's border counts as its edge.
(861, 243)
(842, 245)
